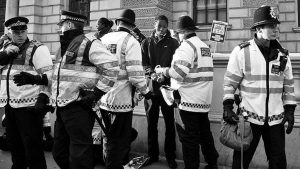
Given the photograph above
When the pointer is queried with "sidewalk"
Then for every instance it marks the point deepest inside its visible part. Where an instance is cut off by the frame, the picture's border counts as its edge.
(5, 163)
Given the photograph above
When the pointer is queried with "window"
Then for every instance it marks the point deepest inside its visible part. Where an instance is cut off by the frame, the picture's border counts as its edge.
(205, 11)
(80, 6)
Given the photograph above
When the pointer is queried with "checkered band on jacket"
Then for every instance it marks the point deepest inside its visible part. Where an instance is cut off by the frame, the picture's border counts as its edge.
(255, 118)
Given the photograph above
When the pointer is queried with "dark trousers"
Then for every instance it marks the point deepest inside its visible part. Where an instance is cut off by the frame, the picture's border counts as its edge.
(118, 138)
(25, 138)
(196, 131)
(152, 111)
(274, 142)
(72, 148)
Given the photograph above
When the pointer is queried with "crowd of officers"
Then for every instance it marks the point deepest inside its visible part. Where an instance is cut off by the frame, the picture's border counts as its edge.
(98, 76)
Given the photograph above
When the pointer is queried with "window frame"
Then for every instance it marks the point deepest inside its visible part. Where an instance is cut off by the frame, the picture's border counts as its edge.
(87, 14)
(195, 12)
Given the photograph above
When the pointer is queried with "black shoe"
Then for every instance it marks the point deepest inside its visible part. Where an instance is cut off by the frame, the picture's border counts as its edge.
(3, 142)
(133, 135)
(172, 163)
(150, 161)
(211, 166)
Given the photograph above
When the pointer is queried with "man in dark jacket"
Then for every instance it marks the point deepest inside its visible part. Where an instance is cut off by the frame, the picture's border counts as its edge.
(158, 50)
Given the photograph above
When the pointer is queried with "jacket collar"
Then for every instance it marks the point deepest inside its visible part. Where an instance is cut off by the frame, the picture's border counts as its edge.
(187, 36)
(123, 29)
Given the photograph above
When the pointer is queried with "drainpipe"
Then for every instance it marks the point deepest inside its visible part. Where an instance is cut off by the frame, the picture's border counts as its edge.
(12, 9)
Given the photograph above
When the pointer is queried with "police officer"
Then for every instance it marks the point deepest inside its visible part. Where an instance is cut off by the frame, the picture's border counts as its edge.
(117, 104)
(82, 63)
(191, 73)
(261, 69)
(25, 105)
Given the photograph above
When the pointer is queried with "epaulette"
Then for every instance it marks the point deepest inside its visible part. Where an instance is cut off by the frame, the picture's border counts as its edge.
(244, 44)
(37, 43)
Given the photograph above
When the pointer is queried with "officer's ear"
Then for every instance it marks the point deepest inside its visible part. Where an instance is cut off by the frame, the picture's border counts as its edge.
(259, 28)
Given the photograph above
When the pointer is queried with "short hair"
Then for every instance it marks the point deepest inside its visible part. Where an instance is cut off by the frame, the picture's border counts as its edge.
(162, 17)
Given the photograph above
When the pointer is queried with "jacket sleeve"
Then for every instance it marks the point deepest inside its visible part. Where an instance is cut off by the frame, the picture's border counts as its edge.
(234, 74)
(146, 58)
(43, 65)
(288, 95)
(107, 65)
(181, 63)
(134, 67)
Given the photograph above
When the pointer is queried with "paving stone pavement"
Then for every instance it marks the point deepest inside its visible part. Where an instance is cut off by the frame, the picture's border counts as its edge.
(5, 163)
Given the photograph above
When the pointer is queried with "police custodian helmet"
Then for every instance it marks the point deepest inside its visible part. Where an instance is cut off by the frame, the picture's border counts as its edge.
(16, 23)
(71, 16)
(186, 23)
(127, 16)
(265, 15)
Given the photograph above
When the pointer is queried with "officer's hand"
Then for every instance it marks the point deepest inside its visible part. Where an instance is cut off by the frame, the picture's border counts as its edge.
(148, 95)
(159, 70)
(90, 98)
(24, 78)
(41, 106)
(229, 115)
(4, 37)
(11, 49)
(289, 117)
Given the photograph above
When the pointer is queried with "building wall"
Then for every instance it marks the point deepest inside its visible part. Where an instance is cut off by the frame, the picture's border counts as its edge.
(44, 14)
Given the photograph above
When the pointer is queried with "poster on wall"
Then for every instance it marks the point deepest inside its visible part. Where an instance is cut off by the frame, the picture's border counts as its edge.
(218, 31)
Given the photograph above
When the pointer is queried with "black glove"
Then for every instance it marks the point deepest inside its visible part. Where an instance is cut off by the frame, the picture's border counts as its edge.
(25, 78)
(289, 117)
(89, 98)
(229, 115)
(41, 105)
(148, 95)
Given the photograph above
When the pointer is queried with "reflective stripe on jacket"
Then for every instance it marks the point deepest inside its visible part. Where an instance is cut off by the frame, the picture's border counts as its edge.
(128, 50)
(246, 71)
(191, 74)
(34, 59)
(86, 64)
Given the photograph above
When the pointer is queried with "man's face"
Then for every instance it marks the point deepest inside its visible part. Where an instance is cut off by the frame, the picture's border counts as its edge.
(269, 31)
(19, 36)
(161, 27)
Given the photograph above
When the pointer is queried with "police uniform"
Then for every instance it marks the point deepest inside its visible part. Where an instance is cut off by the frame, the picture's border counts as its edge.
(191, 73)
(82, 63)
(24, 123)
(267, 96)
(118, 101)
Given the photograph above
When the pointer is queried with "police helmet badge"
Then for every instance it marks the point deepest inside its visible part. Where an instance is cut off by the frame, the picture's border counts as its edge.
(273, 13)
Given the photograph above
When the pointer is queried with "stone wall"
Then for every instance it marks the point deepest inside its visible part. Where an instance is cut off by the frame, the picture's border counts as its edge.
(43, 17)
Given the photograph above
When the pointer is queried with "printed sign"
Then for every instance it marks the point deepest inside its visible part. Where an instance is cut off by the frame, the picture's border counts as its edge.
(218, 31)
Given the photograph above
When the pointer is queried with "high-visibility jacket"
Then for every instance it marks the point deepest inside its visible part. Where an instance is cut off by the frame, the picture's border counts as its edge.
(246, 71)
(191, 74)
(128, 50)
(33, 58)
(86, 64)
